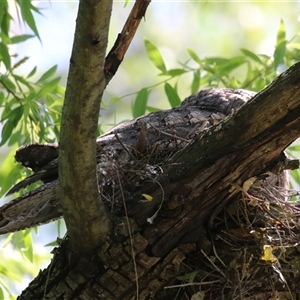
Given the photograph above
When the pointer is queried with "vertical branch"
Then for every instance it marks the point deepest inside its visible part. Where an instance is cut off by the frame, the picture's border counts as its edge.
(86, 218)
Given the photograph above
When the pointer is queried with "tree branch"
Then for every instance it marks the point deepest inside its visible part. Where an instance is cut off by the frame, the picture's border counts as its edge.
(117, 52)
(85, 215)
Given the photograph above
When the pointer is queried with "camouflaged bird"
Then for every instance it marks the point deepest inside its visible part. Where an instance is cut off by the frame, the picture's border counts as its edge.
(137, 149)
(174, 128)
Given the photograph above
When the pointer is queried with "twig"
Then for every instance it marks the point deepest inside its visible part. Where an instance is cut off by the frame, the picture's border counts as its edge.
(150, 220)
(123, 146)
(170, 135)
(10, 91)
(191, 284)
(240, 295)
(215, 252)
(218, 269)
(130, 238)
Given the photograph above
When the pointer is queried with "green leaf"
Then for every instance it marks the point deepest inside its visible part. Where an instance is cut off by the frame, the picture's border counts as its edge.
(28, 248)
(140, 103)
(260, 83)
(251, 55)
(155, 56)
(296, 176)
(234, 83)
(279, 54)
(6, 111)
(294, 147)
(10, 172)
(172, 95)
(33, 71)
(16, 115)
(216, 60)
(293, 46)
(47, 87)
(6, 132)
(114, 100)
(15, 139)
(26, 8)
(194, 56)
(3, 12)
(1, 293)
(18, 239)
(281, 34)
(126, 3)
(4, 55)
(13, 119)
(196, 82)
(231, 64)
(5, 18)
(8, 83)
(22, 80)
(20, 38)
(49, 73)
(176, 72)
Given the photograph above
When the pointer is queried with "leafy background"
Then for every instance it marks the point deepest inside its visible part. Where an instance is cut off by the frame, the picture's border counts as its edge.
(180, 48)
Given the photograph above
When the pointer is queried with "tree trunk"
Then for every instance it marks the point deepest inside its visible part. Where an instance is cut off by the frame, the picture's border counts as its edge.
(204, 220)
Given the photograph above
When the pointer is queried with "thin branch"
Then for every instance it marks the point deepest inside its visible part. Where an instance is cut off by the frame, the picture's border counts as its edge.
(117, 52)
(213, 264)
(130, 238)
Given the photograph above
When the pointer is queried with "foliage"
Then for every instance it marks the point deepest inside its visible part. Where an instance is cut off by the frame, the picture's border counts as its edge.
(30, 106)
(30, 109)
(248, 71)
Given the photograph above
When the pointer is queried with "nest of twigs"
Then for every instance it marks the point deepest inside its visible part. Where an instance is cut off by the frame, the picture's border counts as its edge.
(253, 251)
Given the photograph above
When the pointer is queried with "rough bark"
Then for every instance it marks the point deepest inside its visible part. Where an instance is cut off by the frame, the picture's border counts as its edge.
(194, 183)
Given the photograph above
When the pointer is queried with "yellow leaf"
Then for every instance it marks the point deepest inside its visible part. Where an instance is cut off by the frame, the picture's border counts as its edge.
(148, 197)
(247, 184)
(267, 204)
(253, 202)
(268, 255)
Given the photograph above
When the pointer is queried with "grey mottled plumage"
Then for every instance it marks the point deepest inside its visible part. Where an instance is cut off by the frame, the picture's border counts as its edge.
(144, 144)
(183, 122)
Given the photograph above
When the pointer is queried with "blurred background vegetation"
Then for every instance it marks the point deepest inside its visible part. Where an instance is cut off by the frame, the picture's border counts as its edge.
(180, 48)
